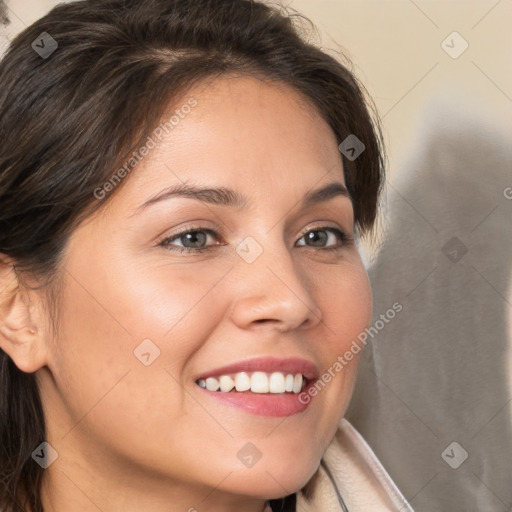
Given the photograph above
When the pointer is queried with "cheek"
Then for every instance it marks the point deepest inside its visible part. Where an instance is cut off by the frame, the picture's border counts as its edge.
(107, 315)
(345, 298)
(106, 390)
(124, 305)
(174, 306)
(93, 347)
(346, 304)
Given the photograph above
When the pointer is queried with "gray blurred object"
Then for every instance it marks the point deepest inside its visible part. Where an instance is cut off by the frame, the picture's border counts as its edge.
(437, 374)
(4, 18)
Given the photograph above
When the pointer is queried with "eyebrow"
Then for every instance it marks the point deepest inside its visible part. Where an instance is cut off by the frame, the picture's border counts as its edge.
(223, 196)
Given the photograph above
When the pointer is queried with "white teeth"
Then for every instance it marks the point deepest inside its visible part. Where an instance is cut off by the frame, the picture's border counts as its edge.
(242, 381)
(212, 384)
(259, 382)
(289, 383)
(297, 383)
(276, 384)
(256, 382)
(226, 383)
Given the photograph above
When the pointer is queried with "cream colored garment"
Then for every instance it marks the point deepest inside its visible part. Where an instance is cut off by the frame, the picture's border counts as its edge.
(361, 480)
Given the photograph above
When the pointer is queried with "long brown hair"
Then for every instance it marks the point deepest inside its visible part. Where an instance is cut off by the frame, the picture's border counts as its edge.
(71, 116)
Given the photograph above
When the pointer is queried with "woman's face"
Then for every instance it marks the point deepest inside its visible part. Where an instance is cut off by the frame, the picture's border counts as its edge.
(265, 286)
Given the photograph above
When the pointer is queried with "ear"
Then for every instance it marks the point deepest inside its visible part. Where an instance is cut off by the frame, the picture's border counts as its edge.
(22, 332)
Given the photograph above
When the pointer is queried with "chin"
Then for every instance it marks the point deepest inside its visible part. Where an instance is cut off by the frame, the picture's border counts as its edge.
(274, 479)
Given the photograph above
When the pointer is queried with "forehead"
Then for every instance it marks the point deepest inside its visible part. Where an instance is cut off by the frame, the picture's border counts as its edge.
(244, 133)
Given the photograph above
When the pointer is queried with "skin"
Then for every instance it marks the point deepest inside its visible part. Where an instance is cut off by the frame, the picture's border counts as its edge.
(133, 437)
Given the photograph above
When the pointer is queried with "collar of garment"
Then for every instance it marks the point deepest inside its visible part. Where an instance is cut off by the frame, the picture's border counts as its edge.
(350, 476)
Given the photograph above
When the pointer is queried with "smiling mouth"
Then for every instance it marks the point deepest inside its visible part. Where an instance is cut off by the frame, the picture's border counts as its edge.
(277, 383)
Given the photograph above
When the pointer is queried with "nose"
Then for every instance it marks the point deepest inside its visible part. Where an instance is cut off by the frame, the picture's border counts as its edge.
(273, 292)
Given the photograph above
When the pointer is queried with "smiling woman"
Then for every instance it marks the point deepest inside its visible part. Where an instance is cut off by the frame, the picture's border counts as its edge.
(156, 337)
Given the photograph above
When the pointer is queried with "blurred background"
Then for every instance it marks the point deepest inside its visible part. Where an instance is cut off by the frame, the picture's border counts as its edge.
(433, 395)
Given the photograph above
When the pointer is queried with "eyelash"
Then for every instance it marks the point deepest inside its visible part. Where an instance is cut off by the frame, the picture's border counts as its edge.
(343, 238)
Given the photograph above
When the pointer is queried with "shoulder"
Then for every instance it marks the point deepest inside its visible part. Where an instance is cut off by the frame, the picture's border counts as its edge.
(351, 469)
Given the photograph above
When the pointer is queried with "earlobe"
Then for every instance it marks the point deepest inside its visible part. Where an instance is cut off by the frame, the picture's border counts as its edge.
(20, 336)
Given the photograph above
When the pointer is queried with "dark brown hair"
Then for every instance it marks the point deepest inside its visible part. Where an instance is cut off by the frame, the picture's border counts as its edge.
(70, 118)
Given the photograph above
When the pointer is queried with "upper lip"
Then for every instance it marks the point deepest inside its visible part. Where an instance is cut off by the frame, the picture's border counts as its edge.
(291, 365)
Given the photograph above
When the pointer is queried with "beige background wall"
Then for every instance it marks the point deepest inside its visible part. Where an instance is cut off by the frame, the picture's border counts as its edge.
(396, 45)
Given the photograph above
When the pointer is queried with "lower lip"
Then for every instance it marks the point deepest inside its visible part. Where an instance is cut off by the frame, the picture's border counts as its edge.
(263, 404)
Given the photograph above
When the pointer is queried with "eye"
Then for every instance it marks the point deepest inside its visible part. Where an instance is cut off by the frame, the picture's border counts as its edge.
(320, 238)
(192, 240)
